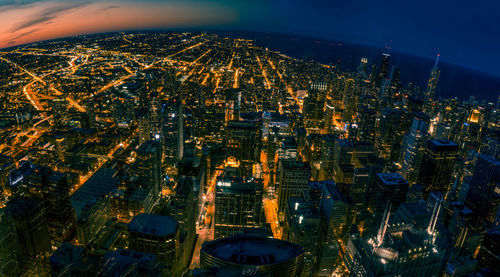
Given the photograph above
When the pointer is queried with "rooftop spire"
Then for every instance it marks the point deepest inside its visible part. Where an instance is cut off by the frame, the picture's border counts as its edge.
(383, 224)
(437, 60)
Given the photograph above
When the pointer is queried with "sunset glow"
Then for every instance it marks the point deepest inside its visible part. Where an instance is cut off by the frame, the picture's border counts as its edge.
(20, 24)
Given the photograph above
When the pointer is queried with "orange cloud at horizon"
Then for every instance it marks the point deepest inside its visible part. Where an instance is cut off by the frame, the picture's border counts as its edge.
(50, 20)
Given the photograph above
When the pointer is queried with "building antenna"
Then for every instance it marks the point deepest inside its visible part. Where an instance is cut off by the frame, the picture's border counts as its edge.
(437, 60)
(383, 224)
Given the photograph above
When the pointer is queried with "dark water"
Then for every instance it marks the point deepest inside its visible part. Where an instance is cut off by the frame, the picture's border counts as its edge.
(455, 81)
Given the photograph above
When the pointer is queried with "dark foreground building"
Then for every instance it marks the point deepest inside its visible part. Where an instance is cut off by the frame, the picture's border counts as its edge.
(254, 255)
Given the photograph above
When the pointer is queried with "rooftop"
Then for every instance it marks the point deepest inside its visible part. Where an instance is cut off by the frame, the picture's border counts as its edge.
(392, 179)
(153, 224)
(252, 250)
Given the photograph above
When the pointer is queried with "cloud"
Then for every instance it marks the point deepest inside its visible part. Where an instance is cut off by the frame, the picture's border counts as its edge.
(47, 15)
(7, 5)
(110, 7)
(18, 2)
(18, 36)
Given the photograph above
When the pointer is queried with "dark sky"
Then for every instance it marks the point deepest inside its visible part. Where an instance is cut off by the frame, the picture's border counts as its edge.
(466, 33)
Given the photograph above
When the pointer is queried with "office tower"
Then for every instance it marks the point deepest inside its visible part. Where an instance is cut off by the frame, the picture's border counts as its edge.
(385, 64)
(361, 70)
(254, 255)
(389, 134)
(293, 179)
(243, 143)
(148, 166)
(143, 125)
(313, 109)
(9, 246)
(185, 204)
(442, 131)
(394, 89)
(398, 248)
(483, 196)
(91, 204)
(388, 187)
(328, 154)
(433, 81)
(337, 215)
(367, 118)
(328, 120)
(155, 117)
(489, 254)
(52, 188)
(303, 227)
(155, 234)
(233, 105)
(413, 147)
(180, 131)
(343, 151)
(29, 219)
(132, 200)
(238, 205)
(436, 172)
(70, 260)
(365, 171)
(171, 129)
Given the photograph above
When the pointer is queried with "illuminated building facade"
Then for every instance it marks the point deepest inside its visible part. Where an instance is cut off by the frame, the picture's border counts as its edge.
(238, 206)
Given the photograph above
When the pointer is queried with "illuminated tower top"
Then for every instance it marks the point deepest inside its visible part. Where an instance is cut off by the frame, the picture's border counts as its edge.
(433, 80)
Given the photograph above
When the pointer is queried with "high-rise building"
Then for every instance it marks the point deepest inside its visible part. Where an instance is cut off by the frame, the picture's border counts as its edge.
(398, 248)
(437, 166)
(238, 205)
(148, 166)
(337, 214)
(413, 146)
(52, 188)
(29, 219)
(9, 246)
(293, 180)
(388, 187)
(433, 81)
(91, 204)
(303, 227)
(254, 255)
(155, 117)
(483, 197)
(243, 143)
(367, 114)
(389, 134)
(489, 254)
(313, 109)
(155, 234)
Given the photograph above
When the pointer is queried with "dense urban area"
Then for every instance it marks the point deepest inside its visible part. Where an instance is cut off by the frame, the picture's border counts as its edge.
(191, 154)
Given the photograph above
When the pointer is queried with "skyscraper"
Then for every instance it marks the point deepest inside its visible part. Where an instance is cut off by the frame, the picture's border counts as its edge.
(433, 81)
(238, 205)
(155, 234)
(148, 166)
(388, 187)
(397, 248)
(483, 196)
(437, 166)
(413, 146)
(9, 246)
(243, 143)
(29, 218)
(293, 179)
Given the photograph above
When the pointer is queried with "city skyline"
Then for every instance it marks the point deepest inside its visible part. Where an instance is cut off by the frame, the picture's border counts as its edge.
(465, 35)
(211, 153)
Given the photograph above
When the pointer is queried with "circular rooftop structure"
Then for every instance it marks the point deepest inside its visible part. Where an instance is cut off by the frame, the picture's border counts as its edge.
(254, 254)
(152, 224)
